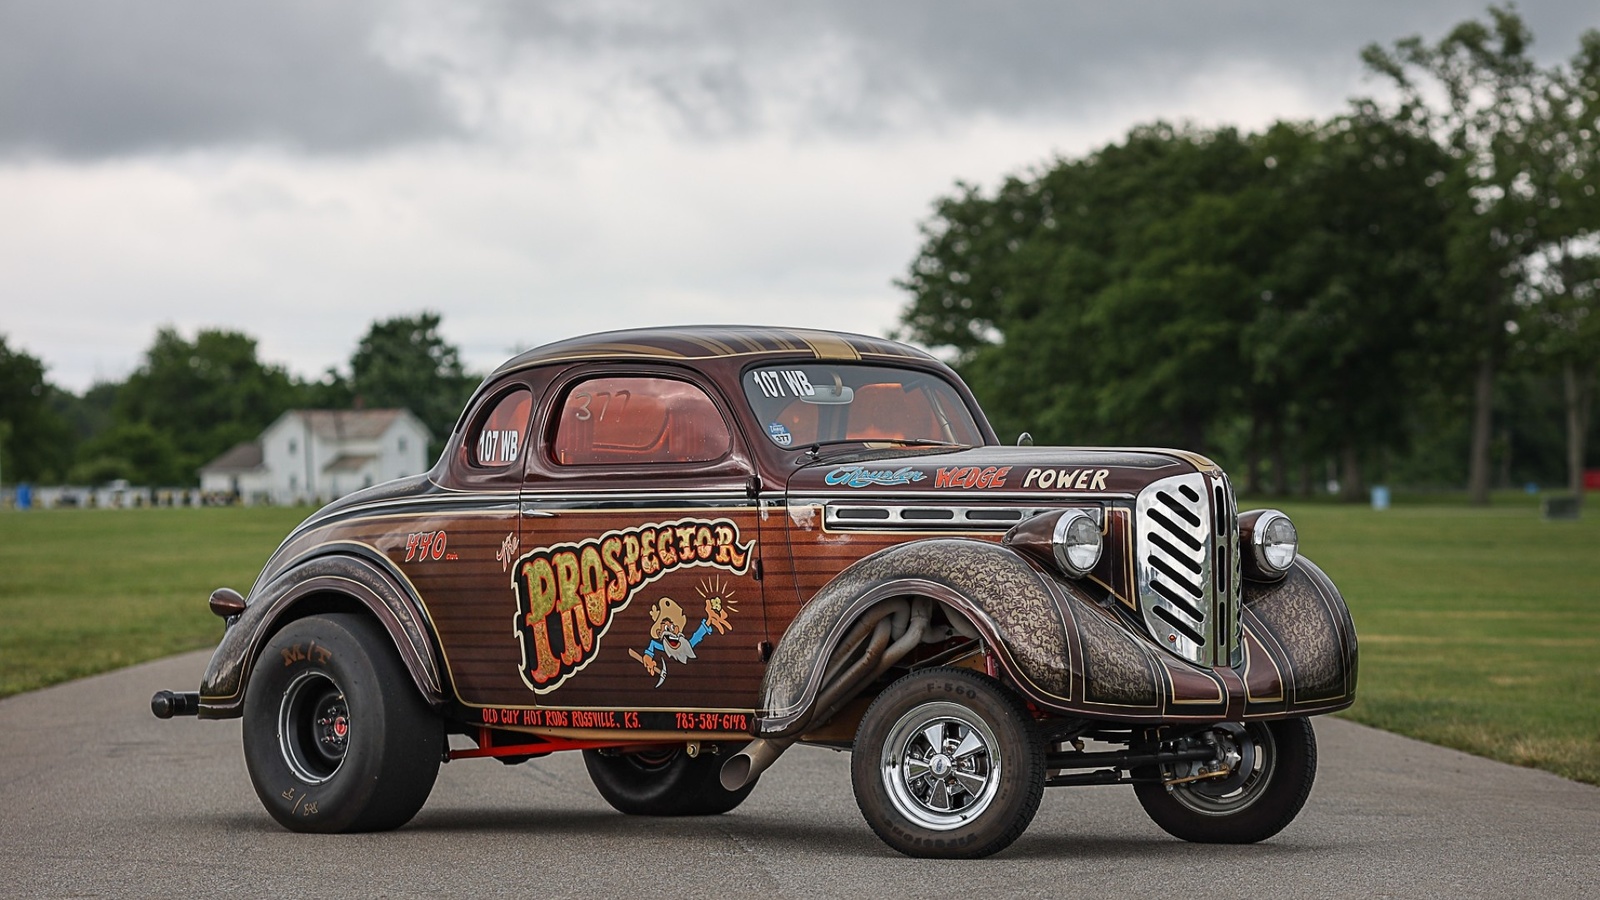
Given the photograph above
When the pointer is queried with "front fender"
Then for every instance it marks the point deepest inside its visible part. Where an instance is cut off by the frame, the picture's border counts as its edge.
(346, 575)
(1070, 654)
(1007, 599)
(1300, 645)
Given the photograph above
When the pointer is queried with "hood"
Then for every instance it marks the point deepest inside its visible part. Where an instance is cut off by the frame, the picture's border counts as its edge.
(997, 471)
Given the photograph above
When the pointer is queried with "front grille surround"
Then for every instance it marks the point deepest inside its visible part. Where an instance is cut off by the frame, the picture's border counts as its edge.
(1186, 561)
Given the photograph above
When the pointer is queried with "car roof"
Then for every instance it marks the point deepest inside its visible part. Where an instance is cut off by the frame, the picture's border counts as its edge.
(701, 342)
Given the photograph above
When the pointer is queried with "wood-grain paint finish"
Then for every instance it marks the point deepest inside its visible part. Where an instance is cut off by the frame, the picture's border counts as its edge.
(493, 520)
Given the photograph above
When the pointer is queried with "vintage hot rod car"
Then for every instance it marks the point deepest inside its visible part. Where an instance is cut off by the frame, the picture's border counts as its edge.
(681, 551)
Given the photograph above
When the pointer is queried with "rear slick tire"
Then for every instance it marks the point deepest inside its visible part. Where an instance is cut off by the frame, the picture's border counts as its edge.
(1278, 766)
(337, 737)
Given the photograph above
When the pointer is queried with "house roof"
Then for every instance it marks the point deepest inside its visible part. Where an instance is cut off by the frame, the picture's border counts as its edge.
(349, 462)
(244, 456)
(348, 424)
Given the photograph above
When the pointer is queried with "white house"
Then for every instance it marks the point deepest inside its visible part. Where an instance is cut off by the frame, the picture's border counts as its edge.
(315, 455)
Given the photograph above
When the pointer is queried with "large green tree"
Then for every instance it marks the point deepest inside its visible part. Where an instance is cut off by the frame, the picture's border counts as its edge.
(1201, 288)
(1522, 140)
(199, 397)
(1069, 307)
(35, 443)
(1351, 278)
(406, 362)
(1561, 276)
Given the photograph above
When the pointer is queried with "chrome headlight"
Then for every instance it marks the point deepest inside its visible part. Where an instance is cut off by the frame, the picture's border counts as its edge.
(1274, 543)
(1075, 542)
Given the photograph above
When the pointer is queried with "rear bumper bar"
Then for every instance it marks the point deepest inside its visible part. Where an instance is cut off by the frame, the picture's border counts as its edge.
(166, 704)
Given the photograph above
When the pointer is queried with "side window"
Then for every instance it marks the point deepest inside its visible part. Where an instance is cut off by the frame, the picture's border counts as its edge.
(500, 439)
(632, 420)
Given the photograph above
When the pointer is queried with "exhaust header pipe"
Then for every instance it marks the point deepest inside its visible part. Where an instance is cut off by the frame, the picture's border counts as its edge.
(909, 620)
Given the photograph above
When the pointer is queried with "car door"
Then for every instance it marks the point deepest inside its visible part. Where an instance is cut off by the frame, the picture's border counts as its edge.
(638, 580)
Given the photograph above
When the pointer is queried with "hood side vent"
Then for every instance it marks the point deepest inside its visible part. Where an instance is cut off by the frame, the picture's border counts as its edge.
(863, 516)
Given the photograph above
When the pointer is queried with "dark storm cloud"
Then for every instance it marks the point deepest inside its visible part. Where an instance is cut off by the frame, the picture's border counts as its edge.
(97, 78)
(89, 79)
(716, 62)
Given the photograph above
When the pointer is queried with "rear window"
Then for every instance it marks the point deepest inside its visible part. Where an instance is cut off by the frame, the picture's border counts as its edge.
(500, 439)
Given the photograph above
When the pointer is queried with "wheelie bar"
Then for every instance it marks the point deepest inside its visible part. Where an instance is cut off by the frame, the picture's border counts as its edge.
(166, 704)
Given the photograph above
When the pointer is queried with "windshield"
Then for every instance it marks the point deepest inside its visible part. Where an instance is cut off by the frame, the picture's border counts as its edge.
(804, 403)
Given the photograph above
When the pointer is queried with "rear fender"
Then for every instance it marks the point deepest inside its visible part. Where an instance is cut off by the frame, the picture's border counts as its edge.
(348, 575)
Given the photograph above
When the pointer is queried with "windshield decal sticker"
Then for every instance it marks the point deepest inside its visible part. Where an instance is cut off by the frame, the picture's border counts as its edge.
(569, 594)
(779, 434)
(783, 383)
(861, 476)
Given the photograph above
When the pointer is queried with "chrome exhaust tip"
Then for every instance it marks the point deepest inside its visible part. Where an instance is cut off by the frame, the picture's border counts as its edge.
(746, 766)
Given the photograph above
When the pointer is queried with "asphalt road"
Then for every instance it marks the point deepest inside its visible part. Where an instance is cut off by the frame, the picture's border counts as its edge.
(99, 798)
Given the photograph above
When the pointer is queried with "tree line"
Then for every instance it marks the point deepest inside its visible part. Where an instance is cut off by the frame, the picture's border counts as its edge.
(1404, 291)
(191, 400)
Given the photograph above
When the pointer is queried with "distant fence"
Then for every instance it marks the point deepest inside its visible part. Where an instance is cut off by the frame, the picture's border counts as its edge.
(105, 497)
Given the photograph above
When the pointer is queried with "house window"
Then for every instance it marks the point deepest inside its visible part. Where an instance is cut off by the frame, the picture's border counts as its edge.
(294, 446)
(638, 420)
(499, 440)
(402, 443)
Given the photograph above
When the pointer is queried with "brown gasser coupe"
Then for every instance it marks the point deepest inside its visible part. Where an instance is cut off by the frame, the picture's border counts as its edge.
(680, 551)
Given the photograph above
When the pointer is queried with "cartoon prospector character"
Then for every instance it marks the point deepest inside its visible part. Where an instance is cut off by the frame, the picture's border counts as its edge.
(668, 633)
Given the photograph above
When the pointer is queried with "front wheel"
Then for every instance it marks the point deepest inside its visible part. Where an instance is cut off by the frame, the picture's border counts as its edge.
(663, 782)
(336, 736)
(1273, 766)
(945, 765)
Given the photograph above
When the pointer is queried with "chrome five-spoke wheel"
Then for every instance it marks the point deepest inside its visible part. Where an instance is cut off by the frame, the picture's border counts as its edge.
(946, 765)
(940, 766)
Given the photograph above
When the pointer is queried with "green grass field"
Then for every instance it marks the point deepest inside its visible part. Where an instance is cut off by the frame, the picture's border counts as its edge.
(87, 590)
(1479, 629)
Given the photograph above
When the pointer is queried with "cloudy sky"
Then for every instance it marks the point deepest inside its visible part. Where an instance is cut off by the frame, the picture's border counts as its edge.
(534, 170)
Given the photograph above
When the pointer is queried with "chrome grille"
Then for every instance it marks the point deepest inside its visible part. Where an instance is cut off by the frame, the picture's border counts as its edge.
(1188, 566)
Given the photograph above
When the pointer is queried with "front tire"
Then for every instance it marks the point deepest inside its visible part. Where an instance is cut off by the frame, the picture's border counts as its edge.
(1277, 764)
(336, 736)
(664, 782)
(945, 765)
